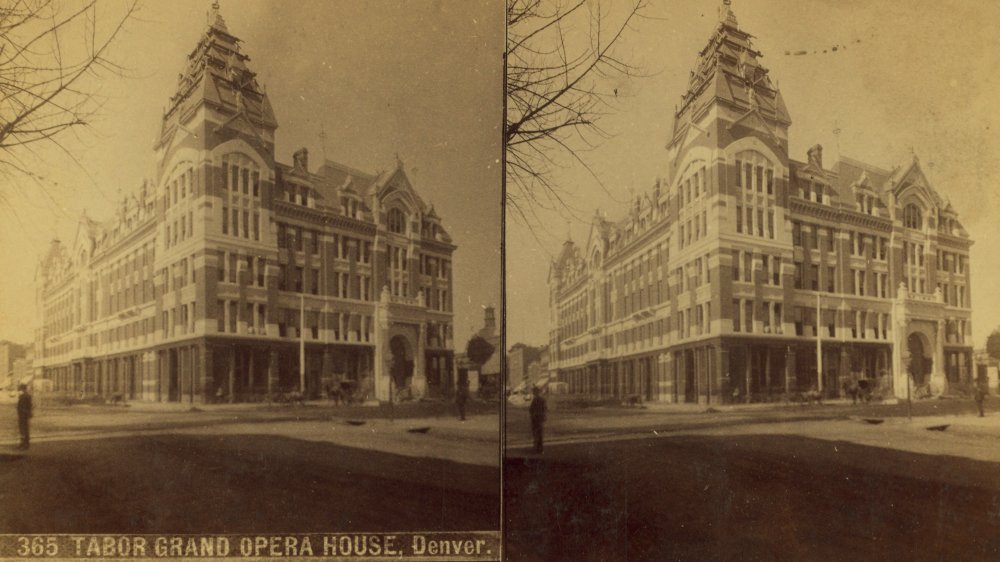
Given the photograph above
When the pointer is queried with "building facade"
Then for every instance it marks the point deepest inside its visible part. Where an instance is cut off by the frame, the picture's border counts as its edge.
(233, 276)
(746, 274)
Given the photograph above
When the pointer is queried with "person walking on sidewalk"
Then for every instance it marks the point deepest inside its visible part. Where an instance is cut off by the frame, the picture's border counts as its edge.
(461, 397)
(24, 414)
(980, 398)
(537, 412)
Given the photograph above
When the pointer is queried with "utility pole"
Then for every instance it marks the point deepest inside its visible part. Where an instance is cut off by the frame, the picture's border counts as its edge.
(302, 344)
(819, 347)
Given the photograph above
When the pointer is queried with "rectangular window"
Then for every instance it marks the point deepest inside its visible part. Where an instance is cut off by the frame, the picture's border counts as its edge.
(736, 265)
(748, 315)
(770, 181)
(770, 224)
(232, 268)
(748, 175)
(232, 316)
(760, 179)
(298, 239)
(246, 181)
(256, 226)
(776, 271)
(256, 183)
(282, 236)
(297, 280)
(236, 222)
(798, 275)
(796, 234)
(760, 223)
(234, 177)
(830, 276)
(221, 316)
(748, 266)
(814, 277)
(739, 173)
(314, 278)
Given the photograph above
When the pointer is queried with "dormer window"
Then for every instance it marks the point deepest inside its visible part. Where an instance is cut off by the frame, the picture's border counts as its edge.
(396, 221)
(912, 217)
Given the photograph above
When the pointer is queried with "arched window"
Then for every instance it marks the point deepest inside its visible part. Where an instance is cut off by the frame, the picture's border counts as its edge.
(397, 221)
(912, 217)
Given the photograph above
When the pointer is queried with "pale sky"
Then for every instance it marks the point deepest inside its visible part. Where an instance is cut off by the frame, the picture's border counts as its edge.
(418, 78)
(925, 75)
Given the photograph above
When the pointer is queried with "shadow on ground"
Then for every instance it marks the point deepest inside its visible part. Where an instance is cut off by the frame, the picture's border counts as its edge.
(760, 497)
(237, 484)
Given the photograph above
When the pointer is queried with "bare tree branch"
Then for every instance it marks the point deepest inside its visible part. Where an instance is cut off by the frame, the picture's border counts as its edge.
(51, 59)
(561, 65)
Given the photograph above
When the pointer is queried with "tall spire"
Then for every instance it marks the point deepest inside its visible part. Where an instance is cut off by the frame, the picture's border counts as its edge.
(218, 76)
(729, 72)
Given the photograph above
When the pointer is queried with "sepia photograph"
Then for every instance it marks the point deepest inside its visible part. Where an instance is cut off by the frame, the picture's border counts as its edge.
(251, 302)
(749, 312)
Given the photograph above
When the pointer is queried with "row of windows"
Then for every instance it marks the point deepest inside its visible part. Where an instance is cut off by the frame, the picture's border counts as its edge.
(241, 174)
(247, 228)
(255, 267)
(179, 274)
(434, 266)
(694, 229)
(692, 188)
(754, 172)
(866, 203)
(951, 262)
(743, 267)
(179, 320)
(748, 226)
(181, 229)
(179, 189)
(695, 321)
(913, 254)
(743, 316)
(953, 295)
(693, 274)
(814, 191)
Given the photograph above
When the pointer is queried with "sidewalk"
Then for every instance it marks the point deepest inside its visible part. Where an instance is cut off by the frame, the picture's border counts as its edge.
(966, 435)
(474, 441)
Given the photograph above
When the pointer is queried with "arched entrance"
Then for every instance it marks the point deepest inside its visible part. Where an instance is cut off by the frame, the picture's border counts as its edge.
(401, 362)
(920, 363)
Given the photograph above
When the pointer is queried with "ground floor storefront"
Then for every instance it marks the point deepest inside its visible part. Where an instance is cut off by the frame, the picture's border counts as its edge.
(248, 370)
(742, 370)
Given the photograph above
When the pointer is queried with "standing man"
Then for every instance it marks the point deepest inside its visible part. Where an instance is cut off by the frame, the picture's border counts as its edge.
(23, 414)
(461, 397)
(980, 397)
(537, 411)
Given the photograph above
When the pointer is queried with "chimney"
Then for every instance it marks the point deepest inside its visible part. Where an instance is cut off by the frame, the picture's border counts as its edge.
(491, 322)
(816, 156)
(301, 159)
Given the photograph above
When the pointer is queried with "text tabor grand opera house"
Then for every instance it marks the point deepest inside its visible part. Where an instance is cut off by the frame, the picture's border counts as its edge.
(722, 282)
(200, 281)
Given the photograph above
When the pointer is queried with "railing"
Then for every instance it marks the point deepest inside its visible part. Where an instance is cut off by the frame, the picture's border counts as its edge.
(922, 297)
(410, 301)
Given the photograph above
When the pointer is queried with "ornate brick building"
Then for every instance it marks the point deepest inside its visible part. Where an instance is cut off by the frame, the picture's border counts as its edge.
(232, 270)
(746, 274)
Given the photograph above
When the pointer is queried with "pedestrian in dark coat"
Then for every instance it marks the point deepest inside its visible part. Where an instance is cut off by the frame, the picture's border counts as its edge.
(461, 397)
(24, 413)
(537, 411)
(980, 397)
